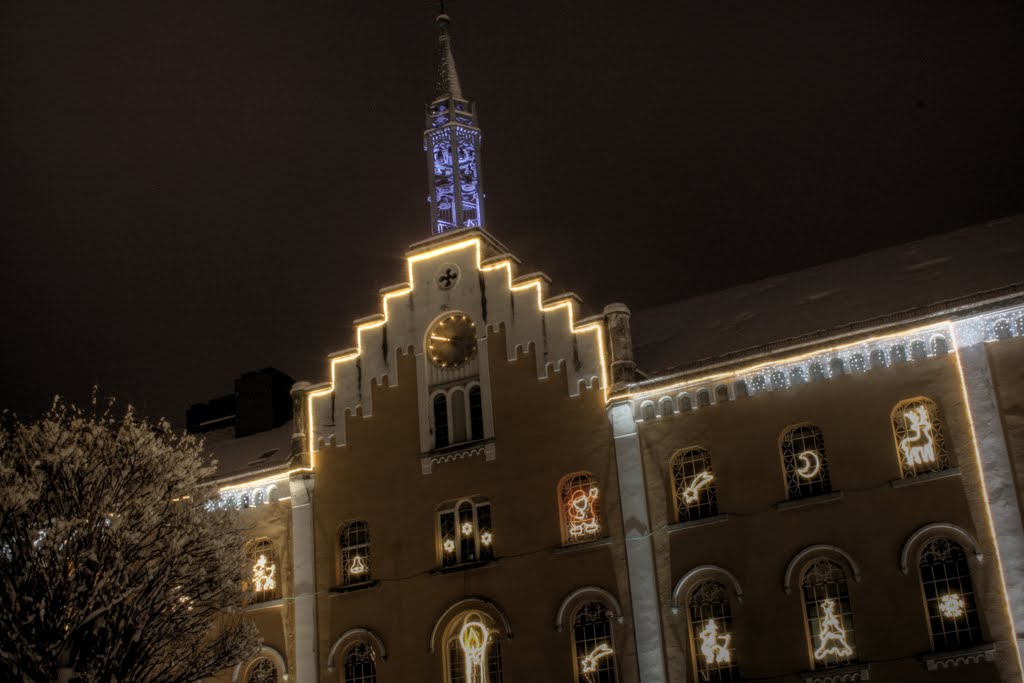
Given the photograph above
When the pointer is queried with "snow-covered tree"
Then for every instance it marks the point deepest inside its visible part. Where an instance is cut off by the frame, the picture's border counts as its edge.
(111, 570)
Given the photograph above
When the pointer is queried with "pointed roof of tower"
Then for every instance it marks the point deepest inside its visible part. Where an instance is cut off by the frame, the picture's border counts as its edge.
(447, 76)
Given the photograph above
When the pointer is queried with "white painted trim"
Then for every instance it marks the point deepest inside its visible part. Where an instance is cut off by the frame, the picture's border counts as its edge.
(356, 635)
(819, 549)
(579, 595)
(264, 653)
(697, 574)
(479, 604)
(929, 531)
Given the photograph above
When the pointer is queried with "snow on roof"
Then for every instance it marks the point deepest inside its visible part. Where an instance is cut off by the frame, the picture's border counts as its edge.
(956, 264)
(248, 455)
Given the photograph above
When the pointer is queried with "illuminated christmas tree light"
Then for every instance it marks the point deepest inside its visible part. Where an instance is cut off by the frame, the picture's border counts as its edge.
(832, 638)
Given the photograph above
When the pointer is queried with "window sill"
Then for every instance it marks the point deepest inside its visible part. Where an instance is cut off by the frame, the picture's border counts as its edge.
(266, 604)
(580, 547)
(839, 674)
(833, 497)
(974, 655)
(925, 477)
(354, 587)
(459, 451)
(467, 567)
(691, 523)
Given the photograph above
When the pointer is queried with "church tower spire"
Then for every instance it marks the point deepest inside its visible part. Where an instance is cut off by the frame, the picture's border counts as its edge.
(452, 144)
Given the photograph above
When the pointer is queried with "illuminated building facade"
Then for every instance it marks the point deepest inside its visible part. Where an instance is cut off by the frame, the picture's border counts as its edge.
(486, 488)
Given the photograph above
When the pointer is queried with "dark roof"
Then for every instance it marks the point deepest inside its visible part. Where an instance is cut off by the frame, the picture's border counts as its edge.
(249, 455)
(972, 260)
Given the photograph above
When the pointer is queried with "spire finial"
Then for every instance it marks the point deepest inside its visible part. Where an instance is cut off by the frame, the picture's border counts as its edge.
(447, 76)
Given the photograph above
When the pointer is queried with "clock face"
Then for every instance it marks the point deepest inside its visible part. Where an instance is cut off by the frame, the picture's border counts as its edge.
(452, 341)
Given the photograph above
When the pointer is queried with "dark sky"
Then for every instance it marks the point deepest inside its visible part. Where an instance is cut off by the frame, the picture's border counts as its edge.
(190, 190)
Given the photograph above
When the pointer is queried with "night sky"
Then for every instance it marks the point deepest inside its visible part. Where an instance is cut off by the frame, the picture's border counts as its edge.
(190, 190)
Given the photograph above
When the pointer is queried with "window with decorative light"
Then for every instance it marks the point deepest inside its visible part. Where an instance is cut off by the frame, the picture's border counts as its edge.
(473, 650)
(919, 440)
(360, 664)
(694, 484)
(465, 535)
(578, 494)
(262, 577)
(354, 542)
(714, 653)
(261, 671)
(593, 644)
(804, 462)
(949, 595)
(829, 616)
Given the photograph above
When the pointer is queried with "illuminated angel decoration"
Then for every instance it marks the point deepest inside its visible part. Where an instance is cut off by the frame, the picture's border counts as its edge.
(263, 575)
(582, 514)
(832, 638)
(918, 447)
(713, 646)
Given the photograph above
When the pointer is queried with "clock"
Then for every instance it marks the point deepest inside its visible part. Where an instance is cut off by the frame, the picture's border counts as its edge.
(452, 341)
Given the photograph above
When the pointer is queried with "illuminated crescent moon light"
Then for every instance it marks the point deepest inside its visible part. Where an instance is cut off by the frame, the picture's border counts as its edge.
(810, 464)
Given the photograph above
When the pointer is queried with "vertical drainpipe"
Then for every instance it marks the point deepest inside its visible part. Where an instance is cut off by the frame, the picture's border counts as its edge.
(303, 546)
(636, 521)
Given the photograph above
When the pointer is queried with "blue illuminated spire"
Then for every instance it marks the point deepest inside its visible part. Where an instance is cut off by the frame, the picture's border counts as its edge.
(452, 142)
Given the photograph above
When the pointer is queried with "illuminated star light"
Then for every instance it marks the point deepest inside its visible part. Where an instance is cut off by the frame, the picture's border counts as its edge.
(590, 662)
(691, 494)
(951, 606)
(467, 529)
(486, 538)
(449, 545)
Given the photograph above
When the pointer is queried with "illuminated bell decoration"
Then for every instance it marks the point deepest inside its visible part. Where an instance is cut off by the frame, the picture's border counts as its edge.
(358, 565)
(473, 639)
(449, 545)
(918, 447)
(691, 494)
(581, 514)
(486, 538)
(263, 575)
(832, 638)
(951, 606)
(467, 529)
(713, 646)
(590, 661)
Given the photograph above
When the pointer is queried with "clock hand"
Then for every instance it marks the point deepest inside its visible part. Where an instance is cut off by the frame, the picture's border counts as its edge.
(438, 338)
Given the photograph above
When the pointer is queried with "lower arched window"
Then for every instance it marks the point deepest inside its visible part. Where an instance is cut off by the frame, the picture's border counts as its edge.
(949, 595)
(829, 617)
(473, 650)
(360, 664)
(714, 653)
(593, 644)
(262, 671)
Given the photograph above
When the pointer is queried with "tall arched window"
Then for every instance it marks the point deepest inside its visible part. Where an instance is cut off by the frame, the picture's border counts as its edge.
(949, 595)
(473, 650)
(262, 671)
(919, 440)
(476, 414)
(714, 654)
(464, 532)
(694, 485)
(457, 404)
(804, 462)
(593, 644)
(581, 516)
(355, 553)
(829, 617)
(262, 572)
(360, 664)
(440, 421)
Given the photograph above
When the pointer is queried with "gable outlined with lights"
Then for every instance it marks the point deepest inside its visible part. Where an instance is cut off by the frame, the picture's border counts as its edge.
(468, 282)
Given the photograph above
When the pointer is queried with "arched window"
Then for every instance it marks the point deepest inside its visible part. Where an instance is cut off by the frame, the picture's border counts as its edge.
(262, 574)
(778, 380)
(740, 390)
(666, 406)
(804, 462)
(757, 384)
(593, 644)
(877, 359)
(949, 595)
(796, 376)
(918, 350)
(465, 535)
(581, 515)
(829, 617)
(685, 403)
(1020, 325)
(1002, 329)
(360, 664)
(694, 485)
(898, 354)
(939, 346)
(473, 650)
(262, 671)
(714, 653)
(355, 553)
(458, 410)
(721, 393)
(857, 363)
(703, 398)
(837, 368)
(817, 372)
(440, 421)
(476, 414)
(648, 412)
(919, 440)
